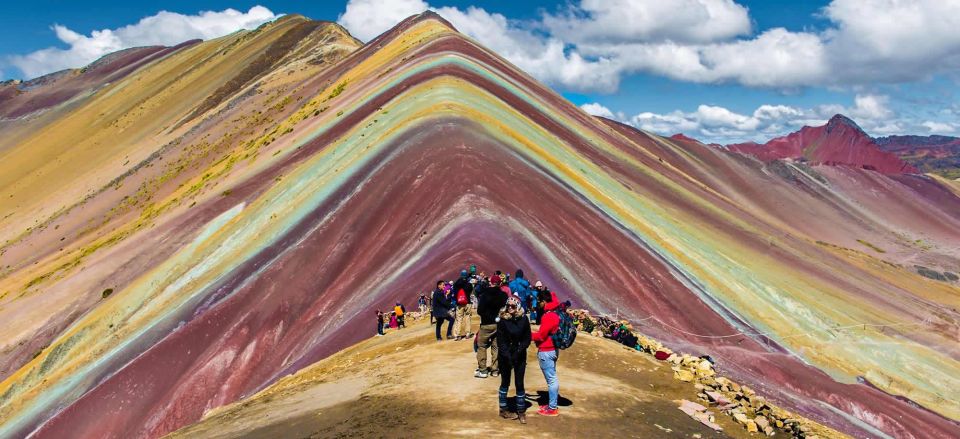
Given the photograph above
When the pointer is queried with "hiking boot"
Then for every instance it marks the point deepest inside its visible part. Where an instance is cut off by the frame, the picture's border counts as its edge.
(506, 414)
(522, 417)
(480, 374)
(547, 411)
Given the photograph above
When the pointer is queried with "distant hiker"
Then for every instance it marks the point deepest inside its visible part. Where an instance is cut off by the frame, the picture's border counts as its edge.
(422, 303)
(513, 339)
(379, 323)
(547, 354)
(473, 270)
(489, 303)
(399, 310)
(441, 310)
(533, 302)
(393, 320)
(520, 287)
(462, 289)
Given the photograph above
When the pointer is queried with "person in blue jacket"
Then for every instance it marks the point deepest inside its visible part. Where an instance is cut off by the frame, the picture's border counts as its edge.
(520, 286)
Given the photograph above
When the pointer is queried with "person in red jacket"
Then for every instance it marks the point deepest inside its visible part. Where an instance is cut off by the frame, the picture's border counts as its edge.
(547, 354)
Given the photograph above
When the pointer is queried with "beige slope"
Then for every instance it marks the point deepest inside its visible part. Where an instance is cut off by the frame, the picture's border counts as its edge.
(408, 385)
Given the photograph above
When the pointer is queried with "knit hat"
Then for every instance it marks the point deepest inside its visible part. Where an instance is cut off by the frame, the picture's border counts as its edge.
(495, 280)
(538, 284)
(512, 309)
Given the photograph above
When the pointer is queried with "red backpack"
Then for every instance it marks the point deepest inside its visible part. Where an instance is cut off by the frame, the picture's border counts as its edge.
(462, 298)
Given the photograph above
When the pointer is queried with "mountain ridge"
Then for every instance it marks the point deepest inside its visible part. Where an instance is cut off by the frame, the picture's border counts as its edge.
(262, 234)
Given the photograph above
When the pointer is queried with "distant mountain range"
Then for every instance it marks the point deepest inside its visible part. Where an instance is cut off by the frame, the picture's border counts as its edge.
(934, 154)
(842, 142)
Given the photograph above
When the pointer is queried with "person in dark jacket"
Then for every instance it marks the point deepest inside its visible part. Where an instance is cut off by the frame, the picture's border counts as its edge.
(379, 323)
(489, 302)
(513, 339)
(543, 296)
(441, 310)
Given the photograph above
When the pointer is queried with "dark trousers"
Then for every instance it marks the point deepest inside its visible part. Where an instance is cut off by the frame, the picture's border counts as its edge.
(508, 367)
(380, 328)
(440, 321)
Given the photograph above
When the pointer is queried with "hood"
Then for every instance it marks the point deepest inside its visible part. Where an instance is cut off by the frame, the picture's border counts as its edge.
(553, 304)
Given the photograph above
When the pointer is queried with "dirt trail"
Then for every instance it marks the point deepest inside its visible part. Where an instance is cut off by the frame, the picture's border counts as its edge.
(406, 384)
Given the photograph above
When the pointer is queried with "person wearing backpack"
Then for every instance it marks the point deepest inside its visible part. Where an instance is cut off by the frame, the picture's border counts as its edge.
(461, 295)
(513, 339)
(399, 309)
(547, 354)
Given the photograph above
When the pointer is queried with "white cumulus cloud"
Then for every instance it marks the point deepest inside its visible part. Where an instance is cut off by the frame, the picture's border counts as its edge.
(164, 28)
(939, 127)
(590, 45)
(718, 124)
(365, 19)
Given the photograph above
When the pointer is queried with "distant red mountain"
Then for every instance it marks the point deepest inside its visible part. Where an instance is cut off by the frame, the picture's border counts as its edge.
(935, 154)
(840, 142)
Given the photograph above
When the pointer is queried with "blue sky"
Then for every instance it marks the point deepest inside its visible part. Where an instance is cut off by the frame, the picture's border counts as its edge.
(717, 69)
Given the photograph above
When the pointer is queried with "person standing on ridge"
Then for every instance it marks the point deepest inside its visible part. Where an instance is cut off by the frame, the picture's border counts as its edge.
(379, 323)
(441, 310)
(513, 339)
(520, 287)
(490, 301)
(547, 354)
(422, 304)
(400, 310)
(461, 293)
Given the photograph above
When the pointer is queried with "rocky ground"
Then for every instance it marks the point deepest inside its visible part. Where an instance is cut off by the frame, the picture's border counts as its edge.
(406, 384)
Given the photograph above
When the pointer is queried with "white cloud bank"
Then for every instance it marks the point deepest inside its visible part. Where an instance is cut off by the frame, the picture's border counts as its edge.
(164, 28)
(710, 123)
(589, 45)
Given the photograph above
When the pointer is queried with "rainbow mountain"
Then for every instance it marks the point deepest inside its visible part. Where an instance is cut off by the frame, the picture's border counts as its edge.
(183, 226)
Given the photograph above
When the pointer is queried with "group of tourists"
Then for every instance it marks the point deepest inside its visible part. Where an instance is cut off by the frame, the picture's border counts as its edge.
(395, 319)
(506, 308)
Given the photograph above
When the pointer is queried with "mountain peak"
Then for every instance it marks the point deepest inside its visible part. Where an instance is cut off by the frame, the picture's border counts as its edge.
(839, 120)
(840, 142)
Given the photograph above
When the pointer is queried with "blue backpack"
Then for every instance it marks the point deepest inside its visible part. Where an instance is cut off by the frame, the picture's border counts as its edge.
(566, 333)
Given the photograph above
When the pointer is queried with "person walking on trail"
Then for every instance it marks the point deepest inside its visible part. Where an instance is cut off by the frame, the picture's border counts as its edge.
(489, 303)
(547, 354)
(520, 287)
(513, 339)
(379, 323)
(441, 310)
(462, 289)
(400, 310)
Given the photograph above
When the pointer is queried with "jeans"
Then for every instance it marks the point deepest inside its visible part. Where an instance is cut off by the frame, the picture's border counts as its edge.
(506, 367)
(380, 328)
(548, 364)
(487, 341)
(440, 321)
